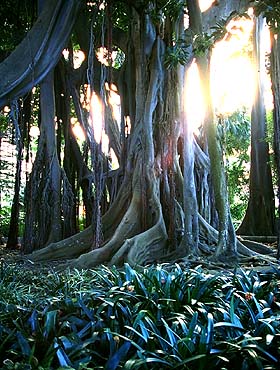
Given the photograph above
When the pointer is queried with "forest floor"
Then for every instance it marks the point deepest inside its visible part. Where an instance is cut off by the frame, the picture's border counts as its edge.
(263, 264)
(15, 256)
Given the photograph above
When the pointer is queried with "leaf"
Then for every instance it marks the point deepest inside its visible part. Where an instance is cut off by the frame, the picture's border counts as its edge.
(126, 339)
(190, 359)
(33, 320)
(138, 363)
(87, 311)
(67, 344)
(85, 330)
(173, 337)
(233, 317)
(210, 331)
(260, 313)
(118, 356)
(145, 338)
(206, 336)
(193, 324)
(24, 345)
(50, 322)
(228, 325)
(63, 359)
(183, 324)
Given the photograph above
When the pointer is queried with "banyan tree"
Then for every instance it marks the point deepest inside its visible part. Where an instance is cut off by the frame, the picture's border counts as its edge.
(168, 197)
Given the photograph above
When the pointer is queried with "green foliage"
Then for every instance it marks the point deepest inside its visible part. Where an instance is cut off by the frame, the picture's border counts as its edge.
(171, 8)
(138, 319)
(4, 123)
(270, 141)
(204, 42)
(234, 132)
(271, 11)
(119, 59)
(5, 220)
(16, 17)
(201, 44)
(178, 53)
(6, 175)
(220, 28)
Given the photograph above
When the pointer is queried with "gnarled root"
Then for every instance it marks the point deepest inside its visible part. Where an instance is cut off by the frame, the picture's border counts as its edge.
(244, 248)
(67, 248)
(128, 227)
(146, 247)
(129, 244)
(80, 243)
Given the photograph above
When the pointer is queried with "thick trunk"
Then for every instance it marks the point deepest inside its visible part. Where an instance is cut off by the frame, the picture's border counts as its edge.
(260, 214)
(191, 229)
(221, 10)
(43, 194)
(63, 113)
(54, 176)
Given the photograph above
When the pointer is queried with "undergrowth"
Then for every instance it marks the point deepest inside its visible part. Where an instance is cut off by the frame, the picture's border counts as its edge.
(152, 318)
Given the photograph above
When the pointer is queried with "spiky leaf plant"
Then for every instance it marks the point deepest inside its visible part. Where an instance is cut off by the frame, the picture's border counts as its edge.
(153, 318)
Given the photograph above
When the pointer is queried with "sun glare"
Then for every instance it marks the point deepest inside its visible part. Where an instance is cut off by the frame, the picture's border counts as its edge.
(205, 4)
(114, 100)
(77, 129)
(232, 75)
(34, 131)
(78, 57)
(96, 117)
(232, 72)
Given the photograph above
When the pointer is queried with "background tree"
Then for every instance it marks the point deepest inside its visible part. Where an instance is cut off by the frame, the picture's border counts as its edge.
(270, 9)
(260, 215)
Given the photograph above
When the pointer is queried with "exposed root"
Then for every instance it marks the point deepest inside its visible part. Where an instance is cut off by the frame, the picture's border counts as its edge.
(129, 244)
(80, 243)
(244, 249)
(257, 247)
(128, 227)
(146, 247)
(70, 248)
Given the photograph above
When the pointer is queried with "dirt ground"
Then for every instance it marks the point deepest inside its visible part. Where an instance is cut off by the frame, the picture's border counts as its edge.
(265, 264)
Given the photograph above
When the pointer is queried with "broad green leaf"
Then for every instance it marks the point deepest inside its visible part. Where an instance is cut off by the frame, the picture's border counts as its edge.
(24, 345)
(50, 322)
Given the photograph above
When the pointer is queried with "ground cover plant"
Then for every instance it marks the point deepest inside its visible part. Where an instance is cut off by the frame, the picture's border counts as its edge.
(153, 318)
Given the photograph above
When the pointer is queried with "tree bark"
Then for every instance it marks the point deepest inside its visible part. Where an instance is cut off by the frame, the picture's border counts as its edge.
(40, 50)
(260, 214)
(140, 225)
(275, 72)
(227, 240)
(13, 235)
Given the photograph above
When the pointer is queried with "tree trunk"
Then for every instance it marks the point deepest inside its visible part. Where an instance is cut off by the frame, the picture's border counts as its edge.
(275, 73)
(227, 239)
(260, 214)
(12, 241)
(141, 225)
(43, 196)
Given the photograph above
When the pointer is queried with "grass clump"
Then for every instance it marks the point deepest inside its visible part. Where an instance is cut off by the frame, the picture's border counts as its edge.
(152, 318)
